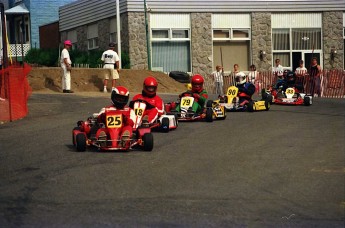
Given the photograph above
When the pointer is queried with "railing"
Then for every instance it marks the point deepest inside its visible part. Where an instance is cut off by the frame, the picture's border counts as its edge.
(16, 50)
(331, 83)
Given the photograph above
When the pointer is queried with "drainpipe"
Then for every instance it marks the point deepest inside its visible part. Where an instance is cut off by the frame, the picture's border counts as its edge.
(147, 37)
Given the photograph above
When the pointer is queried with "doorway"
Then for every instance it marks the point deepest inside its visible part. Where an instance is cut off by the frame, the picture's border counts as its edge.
(306, 57)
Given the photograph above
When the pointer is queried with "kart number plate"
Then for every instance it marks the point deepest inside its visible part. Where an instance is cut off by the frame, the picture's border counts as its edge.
(186, 102)
(232, 93)
(114, 121)
(289, 92)
(139, 111)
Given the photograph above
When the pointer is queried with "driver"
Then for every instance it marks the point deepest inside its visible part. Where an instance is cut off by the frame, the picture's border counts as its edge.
(148, 94)
(198, 92)
(119, 99)
(245, 89)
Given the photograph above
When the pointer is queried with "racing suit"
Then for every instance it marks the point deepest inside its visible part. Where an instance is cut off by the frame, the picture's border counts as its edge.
(245, 92)
(156, 107)
(126, 112)
(199, 100)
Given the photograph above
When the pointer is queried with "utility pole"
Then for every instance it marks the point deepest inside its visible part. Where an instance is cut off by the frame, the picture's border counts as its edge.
(147, 38)
(118, 29)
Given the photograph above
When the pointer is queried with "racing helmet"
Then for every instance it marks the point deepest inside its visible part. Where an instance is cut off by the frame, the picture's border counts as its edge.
(240, 78)
(119, 96)
(150, 86)
(290, 76)
(197, 83)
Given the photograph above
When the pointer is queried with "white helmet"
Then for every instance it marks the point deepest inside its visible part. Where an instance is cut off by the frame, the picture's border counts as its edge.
(240, 78)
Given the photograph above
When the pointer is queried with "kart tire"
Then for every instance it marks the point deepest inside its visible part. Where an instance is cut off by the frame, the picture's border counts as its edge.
(80, 142)
(269, 98)
(267, 105)
(147, 142)
(209, 104)
(250, 106)
(165, 125)
(73, 138)
(209, 115)
(179, 76)
(306, 101)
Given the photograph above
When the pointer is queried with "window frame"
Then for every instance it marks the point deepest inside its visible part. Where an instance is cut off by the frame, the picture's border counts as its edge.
(231, 34)
(170, 34)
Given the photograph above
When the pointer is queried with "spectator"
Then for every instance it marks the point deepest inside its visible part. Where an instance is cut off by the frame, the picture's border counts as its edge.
(111, 61)
(315, 77)
(218, 79)
(300, 73)
(278, 72)
(66, 65)
(234, 72)
(253, 77)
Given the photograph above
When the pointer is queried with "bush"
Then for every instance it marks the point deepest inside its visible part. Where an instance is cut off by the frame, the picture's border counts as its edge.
(50, 57)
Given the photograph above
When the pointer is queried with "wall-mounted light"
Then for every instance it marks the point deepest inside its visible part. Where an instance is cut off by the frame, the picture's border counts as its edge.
(333, 53)
(262, 54)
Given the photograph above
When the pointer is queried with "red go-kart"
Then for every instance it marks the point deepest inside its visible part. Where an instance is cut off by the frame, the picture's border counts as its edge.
(88, 133)
(288, 96)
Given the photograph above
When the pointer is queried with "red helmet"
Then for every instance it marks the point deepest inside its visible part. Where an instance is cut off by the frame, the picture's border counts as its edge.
(119, 96)
(150, 86)
(197, 83)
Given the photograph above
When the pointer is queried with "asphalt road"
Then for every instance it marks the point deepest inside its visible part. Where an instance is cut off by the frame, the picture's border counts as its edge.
(281, 168)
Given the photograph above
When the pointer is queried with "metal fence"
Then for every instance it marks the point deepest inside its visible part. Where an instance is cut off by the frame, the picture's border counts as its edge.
(331, 83)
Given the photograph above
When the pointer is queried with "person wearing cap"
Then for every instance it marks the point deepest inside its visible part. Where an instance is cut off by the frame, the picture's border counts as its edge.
(111, 62)
(66, 65)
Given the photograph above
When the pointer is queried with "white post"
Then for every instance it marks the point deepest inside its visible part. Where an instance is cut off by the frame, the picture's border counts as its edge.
(118, 29)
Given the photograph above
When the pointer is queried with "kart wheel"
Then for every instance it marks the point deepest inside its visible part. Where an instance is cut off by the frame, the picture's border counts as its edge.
(209, 104)
(165, 125)
(209, 115)
(80, 142)
(267, 105)
(250, 106)
(73, 138)
(147, 142)
(306, 101)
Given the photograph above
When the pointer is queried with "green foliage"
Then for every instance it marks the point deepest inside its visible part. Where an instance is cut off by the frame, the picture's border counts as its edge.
(50, 57)
(126, 64)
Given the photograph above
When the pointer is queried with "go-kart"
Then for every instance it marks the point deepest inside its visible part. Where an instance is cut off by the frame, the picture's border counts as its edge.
(164, 123)
(213, 110)
(288, 96)
(88, 133)
(230, 102)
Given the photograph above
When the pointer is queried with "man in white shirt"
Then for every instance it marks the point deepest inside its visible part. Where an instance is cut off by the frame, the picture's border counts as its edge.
(66, 65)
(301, 70)
(218, 79)
(278, 69)
(111, 62)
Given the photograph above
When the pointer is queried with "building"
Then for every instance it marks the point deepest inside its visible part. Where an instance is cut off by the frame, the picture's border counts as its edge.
(196, 35)
(23, 20)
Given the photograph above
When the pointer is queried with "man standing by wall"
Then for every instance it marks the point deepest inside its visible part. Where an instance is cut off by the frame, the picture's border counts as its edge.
(111, 61)
(66, 65)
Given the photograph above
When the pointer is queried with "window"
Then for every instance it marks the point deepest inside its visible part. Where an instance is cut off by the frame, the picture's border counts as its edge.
(171, 49)
(281, 39)
(306, 39)
(113, 31)
(72, 36)
(92, 36)
(231, 34)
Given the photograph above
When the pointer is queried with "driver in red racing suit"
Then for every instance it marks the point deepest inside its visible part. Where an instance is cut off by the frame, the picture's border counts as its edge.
(148, 94)
(245, 89)
(119, 99)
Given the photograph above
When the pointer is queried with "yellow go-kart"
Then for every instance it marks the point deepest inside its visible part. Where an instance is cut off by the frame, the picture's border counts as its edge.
(230, 102)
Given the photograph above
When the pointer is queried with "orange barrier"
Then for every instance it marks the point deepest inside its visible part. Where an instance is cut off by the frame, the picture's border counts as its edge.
(14, 92)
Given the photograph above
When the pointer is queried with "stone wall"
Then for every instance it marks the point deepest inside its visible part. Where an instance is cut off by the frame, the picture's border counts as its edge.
(261, 40)
(104, 34)
(137, 40)
(201, 41)
(332, 23)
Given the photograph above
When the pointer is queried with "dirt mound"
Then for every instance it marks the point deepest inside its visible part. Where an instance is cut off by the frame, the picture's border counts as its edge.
(91, 80)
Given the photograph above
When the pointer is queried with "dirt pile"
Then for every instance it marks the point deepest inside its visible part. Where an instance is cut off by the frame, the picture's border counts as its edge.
(91, 80)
